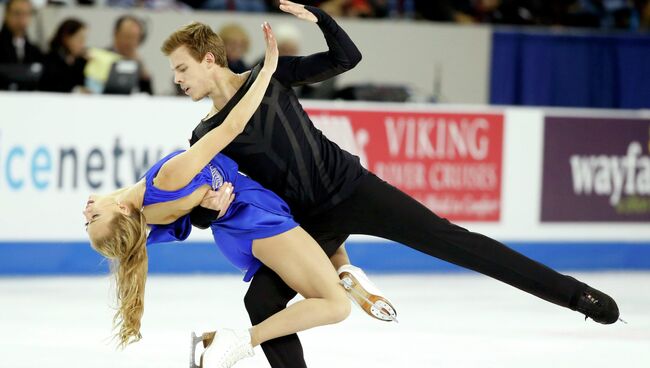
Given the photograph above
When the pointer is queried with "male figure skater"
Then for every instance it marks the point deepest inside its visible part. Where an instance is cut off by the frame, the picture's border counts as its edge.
(331, 195)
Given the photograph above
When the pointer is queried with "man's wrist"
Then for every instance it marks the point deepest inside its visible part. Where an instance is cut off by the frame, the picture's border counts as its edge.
(206, 212)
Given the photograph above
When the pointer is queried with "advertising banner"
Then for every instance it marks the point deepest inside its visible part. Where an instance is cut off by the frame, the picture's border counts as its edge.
(450, 162)
(596, 169)
(56, 149)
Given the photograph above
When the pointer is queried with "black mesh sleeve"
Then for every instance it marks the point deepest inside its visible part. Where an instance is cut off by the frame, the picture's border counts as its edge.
(202, 217)
(342, 56)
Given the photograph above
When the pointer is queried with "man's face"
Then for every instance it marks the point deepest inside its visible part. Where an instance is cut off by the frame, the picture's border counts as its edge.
(127, 38)
(18, 17)
(192, 76)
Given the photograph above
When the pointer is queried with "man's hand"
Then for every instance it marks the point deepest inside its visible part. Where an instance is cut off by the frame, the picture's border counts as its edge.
(298, 10)
(220, 199)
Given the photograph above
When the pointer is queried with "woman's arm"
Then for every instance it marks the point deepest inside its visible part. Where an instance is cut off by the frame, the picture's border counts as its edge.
(180, 170)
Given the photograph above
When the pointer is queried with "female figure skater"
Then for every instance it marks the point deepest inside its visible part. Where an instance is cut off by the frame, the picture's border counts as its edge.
(257, 229)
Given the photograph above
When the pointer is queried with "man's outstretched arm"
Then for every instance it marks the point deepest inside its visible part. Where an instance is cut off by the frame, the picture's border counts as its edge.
(342, 55)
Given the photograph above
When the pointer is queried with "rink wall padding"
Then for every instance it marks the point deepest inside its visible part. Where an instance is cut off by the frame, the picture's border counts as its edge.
(568, 187)
(78, 258)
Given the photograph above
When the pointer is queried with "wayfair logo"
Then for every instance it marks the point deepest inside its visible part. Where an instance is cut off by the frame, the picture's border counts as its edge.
(612, 176)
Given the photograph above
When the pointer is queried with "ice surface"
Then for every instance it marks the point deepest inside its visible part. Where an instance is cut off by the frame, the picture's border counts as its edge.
(446, 320)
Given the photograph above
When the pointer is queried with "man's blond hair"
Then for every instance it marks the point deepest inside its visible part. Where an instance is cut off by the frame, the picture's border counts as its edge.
(199, 39)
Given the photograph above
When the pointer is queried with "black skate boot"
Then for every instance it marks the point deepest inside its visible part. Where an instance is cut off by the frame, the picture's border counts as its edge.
(597, 305)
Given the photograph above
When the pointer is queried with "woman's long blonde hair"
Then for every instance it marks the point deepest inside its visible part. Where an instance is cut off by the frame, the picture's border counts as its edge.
(126, 248)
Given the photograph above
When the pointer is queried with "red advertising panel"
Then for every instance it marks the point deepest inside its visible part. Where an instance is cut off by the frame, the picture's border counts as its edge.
(450, 162)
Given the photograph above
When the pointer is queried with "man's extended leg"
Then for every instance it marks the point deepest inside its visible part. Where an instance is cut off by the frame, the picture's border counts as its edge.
(340, 257)
(377, 208)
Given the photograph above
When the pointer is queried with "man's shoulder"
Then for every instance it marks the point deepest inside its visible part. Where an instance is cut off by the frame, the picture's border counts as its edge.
(204, 126)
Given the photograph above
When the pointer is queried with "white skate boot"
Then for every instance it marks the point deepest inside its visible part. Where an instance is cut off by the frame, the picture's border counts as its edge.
(365, 294)
(223, 348)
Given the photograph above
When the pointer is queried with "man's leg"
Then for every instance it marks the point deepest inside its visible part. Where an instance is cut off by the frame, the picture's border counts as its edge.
(267, 295)
(340, 257)
(377, 208)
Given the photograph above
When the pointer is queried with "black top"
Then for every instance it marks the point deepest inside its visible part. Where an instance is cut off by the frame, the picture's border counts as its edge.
(59, 76)
(8, 55)
(237, 66)
(144, 84)
(8, 50)
(280, 148)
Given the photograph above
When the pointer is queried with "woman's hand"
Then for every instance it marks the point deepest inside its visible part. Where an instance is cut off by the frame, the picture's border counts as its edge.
(219, 200)
(271, 55)
(298, 10)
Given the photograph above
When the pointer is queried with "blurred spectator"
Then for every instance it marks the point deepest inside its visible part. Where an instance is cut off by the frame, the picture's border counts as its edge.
(442, 10)
(129, 33)
(14, 43)
(606, 14)
(288, 38)
(148, 4)
(515, 12)
(338, 8)
(63, 66)
(356, 8)
(232, 5)
(273, 6)
(237, 42)
(379, 8)
(644, 14)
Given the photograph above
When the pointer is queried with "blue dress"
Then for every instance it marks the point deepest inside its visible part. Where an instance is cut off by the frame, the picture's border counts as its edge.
(255, 213)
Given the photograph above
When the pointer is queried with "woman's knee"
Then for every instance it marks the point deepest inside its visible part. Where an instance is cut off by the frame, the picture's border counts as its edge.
(340, 308)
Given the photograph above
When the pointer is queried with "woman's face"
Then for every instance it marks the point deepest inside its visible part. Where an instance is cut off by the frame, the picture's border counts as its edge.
(76, 43)
(98, 212)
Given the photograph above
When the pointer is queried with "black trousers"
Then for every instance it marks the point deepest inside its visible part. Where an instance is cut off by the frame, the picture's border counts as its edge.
(377, 208)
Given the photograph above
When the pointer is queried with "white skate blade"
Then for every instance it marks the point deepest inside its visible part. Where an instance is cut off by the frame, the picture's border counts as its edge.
(375, 306)
(193, 343)
(206, 339)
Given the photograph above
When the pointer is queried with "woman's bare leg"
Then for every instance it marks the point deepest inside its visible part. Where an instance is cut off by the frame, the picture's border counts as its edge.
(302, 265)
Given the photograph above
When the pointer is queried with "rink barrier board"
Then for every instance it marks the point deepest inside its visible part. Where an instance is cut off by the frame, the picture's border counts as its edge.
(409, 145)
(78, 258)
